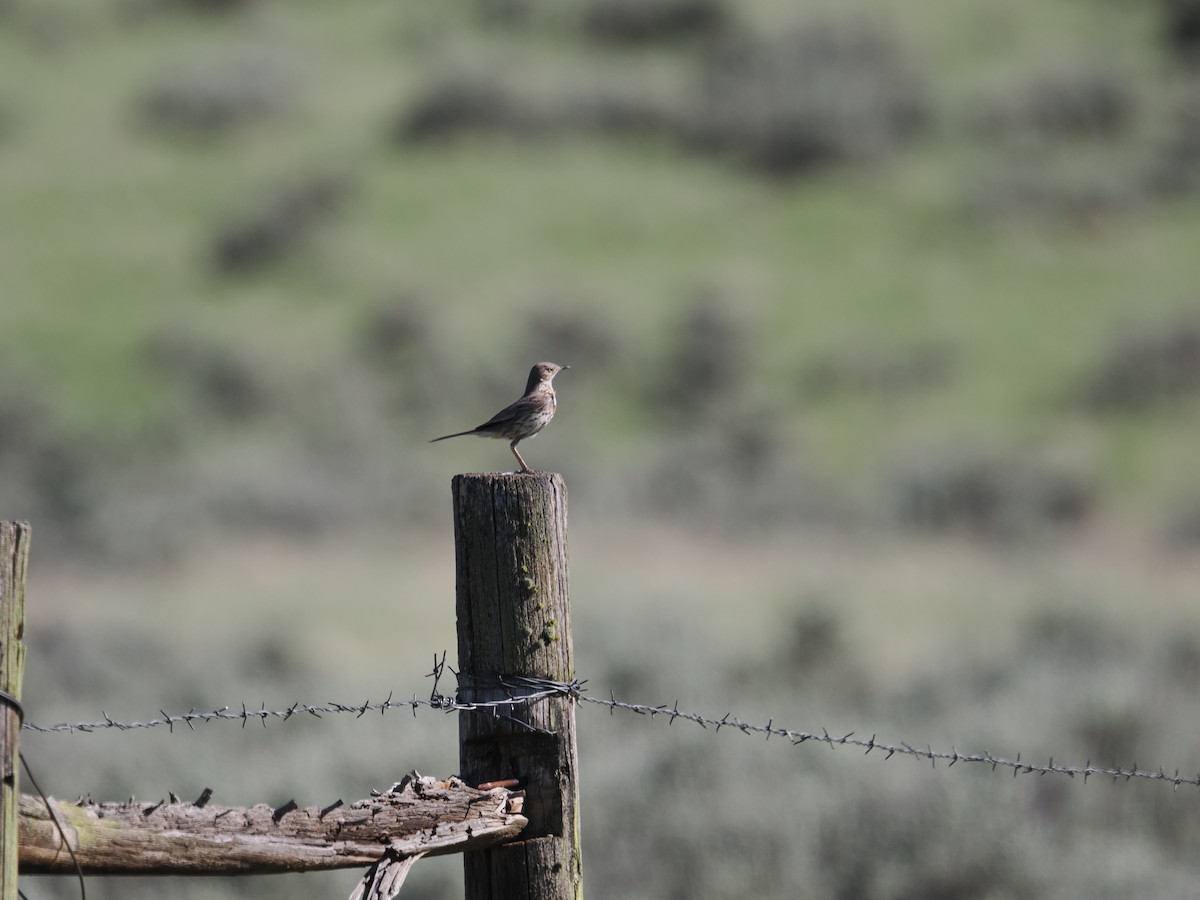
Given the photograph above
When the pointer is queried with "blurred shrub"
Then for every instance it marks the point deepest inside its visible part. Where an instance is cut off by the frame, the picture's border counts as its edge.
(828, 93)
(505, 12)
(1183, 522)
(727, 456)
(283, 486)
(207, 97)
(469, 102)
(8, 120)
(396, 340)
(815, 639)
(570, 334)
(1066, 142)
(477, 103)
(1070, 638)
(891, 842)
(1084, 99)
(214, 6)
(279, 223)
(48, 473)
(1181, 27)
(737, 472)
(395, 332)
(1144, 366)
(878, 369)
(1175, 167)
(1053, 191)
(133, 11)
(615, 110)
(212, 373)
(1182, 659)
(648, 21)
(1112, 733)
(986, 491)
(706, 363)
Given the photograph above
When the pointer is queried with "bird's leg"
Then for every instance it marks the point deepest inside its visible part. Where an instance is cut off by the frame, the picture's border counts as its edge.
(525, 470)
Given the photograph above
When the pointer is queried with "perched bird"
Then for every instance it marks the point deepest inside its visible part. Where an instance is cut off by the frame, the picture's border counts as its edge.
(527, 416)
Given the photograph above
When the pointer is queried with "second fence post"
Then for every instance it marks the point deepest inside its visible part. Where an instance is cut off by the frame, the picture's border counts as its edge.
(14, 557)
(514, 619)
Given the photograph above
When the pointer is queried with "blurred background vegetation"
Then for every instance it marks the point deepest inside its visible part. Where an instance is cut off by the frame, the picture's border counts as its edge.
(884, 326)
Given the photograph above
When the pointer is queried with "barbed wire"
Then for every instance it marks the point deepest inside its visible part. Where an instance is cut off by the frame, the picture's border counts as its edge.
(516, 692)
(672, 713)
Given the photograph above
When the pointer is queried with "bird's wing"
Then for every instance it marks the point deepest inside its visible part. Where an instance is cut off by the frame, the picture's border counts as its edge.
(507, 414)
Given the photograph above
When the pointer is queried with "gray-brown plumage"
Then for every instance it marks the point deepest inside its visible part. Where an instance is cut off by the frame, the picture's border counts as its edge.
(527, 416)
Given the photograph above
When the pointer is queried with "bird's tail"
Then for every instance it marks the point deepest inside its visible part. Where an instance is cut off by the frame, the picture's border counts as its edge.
(456, 434)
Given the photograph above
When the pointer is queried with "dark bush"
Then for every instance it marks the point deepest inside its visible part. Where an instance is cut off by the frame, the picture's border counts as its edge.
(1070, 638)
(1175, 167)
(221, 381)
(280, 223)
(397, 341)
(986, 491)
(829, 93)
(815, 640)
(571, 335)
(1183, 522)
(1181, 28)
(1111, 736)
(395, 332)
(707, 364)
(214, 96)
(1181, 657)
(465, 102)
(1145, 366)
(648, 21)
(735, 470)
(826, 94)
(616, 111)
(137, 10)
(24, 417)
(1082, 100)
(478, 104)
(879, 369)
(506, 12)
(9, 121)
(215, 6)
(890, 843)
(59, 476)
(1039, 189)
(48, 472)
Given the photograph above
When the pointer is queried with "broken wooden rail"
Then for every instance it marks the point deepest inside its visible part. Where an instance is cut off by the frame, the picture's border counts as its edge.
(418, 816)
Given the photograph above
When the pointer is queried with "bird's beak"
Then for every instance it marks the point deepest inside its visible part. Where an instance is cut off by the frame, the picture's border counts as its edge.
(566, 367)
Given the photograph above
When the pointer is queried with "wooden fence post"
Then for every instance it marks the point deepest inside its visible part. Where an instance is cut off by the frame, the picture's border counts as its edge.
(510, 535)
(14, 555)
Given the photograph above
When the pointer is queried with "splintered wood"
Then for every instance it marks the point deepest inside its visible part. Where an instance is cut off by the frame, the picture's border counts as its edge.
(416, 817)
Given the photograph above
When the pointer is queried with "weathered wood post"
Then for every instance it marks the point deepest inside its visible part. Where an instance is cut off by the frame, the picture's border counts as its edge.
(514, 619)
(14, 555)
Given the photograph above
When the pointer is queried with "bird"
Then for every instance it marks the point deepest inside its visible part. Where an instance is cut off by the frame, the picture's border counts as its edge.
(526, 417)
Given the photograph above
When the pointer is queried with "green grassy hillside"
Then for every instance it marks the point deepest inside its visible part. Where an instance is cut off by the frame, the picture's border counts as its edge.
(883, 410)
(201, 204)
